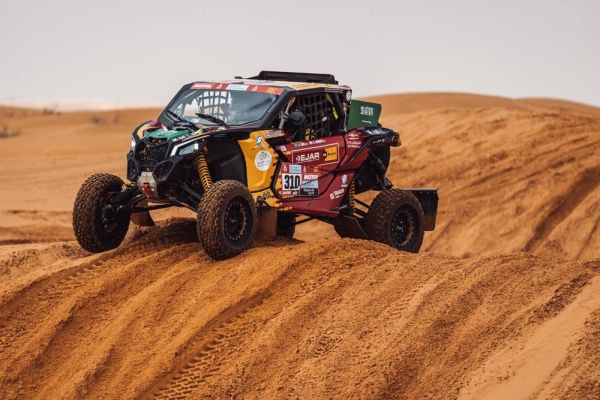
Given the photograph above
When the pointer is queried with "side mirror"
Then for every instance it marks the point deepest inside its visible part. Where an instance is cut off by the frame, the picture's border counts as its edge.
(296, 118)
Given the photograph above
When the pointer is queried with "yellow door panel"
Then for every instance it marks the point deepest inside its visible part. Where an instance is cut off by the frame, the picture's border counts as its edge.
(261, 161)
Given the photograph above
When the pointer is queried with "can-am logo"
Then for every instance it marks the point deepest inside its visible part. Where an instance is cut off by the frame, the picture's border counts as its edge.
(307, 157)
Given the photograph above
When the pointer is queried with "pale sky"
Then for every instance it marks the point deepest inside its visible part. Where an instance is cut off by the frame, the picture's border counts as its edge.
(141, 52)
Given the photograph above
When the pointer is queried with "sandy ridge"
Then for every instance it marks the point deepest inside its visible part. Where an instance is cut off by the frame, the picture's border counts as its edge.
(473, 316)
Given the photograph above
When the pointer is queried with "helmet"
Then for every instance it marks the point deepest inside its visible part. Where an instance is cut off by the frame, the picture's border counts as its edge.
(240, 101)
(243, 107)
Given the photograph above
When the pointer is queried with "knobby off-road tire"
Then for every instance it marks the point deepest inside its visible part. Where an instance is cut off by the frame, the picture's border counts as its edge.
(226, 219)
(284, 229)
(339, 230)
(395, 218)
(90, 231)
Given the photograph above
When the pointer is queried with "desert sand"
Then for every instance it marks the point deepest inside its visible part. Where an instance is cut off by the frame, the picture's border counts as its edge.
(503, 302)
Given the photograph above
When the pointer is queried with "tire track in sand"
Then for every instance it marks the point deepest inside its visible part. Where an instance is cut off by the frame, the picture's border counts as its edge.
(212, 346)
(206, 361)
(17, 324)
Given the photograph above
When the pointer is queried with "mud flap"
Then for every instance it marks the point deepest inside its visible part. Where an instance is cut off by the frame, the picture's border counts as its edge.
(429, 202)
(266, 230)
(142, 218)
(350, 228)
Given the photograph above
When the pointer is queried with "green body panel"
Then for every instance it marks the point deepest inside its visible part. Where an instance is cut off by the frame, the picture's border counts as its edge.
(167, 134)
(363, 113)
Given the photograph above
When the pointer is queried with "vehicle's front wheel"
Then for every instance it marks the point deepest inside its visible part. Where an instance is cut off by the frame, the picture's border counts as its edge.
(97, 224)
(226, 219)
(395, 218)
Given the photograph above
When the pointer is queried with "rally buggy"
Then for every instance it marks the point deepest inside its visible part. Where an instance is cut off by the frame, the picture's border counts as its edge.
(253, 152)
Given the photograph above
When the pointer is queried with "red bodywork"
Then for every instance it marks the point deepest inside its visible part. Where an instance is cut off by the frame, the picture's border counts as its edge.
(315, 175)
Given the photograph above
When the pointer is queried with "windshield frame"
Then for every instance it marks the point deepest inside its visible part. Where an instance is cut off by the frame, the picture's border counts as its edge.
(269, 114)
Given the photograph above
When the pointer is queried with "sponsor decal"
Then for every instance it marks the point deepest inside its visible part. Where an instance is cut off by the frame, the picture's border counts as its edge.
(311, 192)
(263, 160)
(307, 157)
(348, 95)
(296, 183)
(237, 87)
(310, 177)
(337, 194)
(330, 154)
(263, 89)
(354, 144)
(344, 181)
(219, 87)
(309, 185)
(312, 155)
(202, 85)
(259, 140)
(273, 134)
(273, 90)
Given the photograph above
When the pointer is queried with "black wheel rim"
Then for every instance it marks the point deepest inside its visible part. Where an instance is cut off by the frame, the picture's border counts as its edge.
(403, 226)
(236, 220)
(109, 214)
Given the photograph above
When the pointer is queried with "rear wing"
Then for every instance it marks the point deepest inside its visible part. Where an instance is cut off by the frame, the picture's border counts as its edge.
(363, 113)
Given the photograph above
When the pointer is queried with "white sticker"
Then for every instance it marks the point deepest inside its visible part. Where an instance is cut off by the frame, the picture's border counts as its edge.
(237, 87)
(262, 161)
(290, 181)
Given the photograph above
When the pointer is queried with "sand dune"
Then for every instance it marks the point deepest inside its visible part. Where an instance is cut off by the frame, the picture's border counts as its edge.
(503, 301)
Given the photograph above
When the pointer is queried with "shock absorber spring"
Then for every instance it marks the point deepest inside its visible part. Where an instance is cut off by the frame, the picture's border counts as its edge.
(203, 171)
(352, 195)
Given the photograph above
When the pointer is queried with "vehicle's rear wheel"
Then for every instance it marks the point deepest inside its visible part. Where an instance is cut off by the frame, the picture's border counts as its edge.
(97, 224)
(395, 218)
(337, 226)
(226, 219)
(285, 225)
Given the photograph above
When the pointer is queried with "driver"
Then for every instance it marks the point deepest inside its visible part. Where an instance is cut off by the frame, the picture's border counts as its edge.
(246, 106)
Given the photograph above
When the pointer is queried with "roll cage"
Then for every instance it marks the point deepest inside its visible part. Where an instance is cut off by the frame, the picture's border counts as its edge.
(324, 104)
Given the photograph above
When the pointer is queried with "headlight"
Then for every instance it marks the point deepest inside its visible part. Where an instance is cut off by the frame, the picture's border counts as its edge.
(132, 144)
(189, 149)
